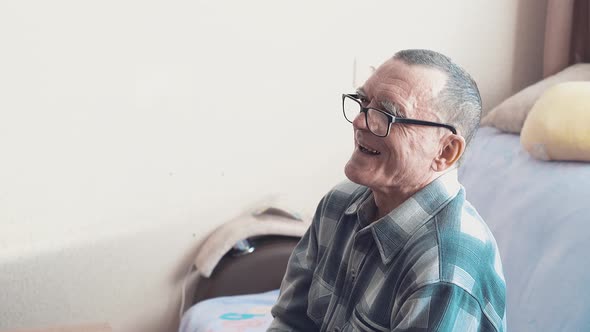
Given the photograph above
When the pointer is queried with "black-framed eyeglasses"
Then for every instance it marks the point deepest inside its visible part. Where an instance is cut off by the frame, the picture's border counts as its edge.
(379, 121)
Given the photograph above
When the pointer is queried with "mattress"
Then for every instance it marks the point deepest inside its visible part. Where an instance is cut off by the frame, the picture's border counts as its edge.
(539, 213)
(241, 313)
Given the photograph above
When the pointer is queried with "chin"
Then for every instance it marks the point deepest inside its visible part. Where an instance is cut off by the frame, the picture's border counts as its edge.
(355, 175)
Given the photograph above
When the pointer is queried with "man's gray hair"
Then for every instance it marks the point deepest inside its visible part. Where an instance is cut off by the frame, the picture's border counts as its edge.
(459, 103)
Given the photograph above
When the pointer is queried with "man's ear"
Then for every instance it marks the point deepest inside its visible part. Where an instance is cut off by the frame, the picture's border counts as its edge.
(450, 152)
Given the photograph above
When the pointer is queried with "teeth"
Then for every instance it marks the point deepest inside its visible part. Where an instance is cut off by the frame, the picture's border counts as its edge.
(369, 150)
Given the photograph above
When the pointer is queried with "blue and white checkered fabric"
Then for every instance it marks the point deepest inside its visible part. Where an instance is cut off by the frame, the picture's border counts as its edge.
(431, 264)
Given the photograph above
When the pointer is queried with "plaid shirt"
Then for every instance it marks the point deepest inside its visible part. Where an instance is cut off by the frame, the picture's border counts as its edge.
(431, 264)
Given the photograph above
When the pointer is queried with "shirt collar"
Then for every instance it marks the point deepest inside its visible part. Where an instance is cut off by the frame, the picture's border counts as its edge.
(394, 230)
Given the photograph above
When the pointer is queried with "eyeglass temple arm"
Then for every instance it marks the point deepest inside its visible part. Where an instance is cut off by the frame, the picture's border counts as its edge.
(403, 120)
(426, 123)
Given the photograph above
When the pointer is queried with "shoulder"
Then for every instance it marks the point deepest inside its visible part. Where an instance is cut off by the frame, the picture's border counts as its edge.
(469, 256)
(457, 248)
(466, 243)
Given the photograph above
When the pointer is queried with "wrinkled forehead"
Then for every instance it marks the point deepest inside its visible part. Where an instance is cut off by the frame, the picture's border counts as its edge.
(411, 86)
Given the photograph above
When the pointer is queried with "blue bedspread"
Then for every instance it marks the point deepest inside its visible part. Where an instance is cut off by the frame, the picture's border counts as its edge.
(539, 213)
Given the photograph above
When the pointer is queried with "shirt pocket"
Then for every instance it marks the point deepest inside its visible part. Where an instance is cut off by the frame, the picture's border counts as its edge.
(360, 321)
(318, 300)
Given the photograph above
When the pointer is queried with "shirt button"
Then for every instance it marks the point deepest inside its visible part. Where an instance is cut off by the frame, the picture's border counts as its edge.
(353, 274)
(336, 329)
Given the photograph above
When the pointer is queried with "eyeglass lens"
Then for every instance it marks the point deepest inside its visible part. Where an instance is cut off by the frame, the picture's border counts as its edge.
(376, 121)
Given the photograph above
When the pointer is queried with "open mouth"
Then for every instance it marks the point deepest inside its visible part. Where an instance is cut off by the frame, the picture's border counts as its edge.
(369, 151)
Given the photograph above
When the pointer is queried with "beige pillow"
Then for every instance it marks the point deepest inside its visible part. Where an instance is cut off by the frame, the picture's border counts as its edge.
(510, 115)
(558, 126)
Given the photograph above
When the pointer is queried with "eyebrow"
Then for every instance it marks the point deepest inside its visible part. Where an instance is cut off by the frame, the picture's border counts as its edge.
(392, 108)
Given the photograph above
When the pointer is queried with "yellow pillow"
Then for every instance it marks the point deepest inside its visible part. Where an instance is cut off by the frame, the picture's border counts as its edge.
(558, 125)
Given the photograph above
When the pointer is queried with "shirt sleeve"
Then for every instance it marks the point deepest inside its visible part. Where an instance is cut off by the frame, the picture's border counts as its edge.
(442, 306)
(290, 311)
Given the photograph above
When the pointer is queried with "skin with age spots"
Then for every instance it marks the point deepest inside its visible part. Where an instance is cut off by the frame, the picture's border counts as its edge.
(411, 156)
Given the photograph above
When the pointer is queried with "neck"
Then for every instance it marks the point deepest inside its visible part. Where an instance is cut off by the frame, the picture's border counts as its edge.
(387, 199)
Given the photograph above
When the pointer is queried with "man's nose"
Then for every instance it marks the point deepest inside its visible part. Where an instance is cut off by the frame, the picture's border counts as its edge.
(360, 121)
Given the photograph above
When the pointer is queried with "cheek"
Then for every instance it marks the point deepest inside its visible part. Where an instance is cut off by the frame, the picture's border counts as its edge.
(410, 149)
(421, 143)
(402, 144)
(399, 154)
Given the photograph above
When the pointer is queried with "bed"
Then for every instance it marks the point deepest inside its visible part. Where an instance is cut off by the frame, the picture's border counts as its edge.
(241, 290)
(538, 211)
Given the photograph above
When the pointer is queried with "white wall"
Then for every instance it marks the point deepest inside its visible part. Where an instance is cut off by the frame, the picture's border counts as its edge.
(129, 129)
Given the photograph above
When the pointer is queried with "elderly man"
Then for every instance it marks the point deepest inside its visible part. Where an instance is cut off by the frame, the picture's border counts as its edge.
(399, 248)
